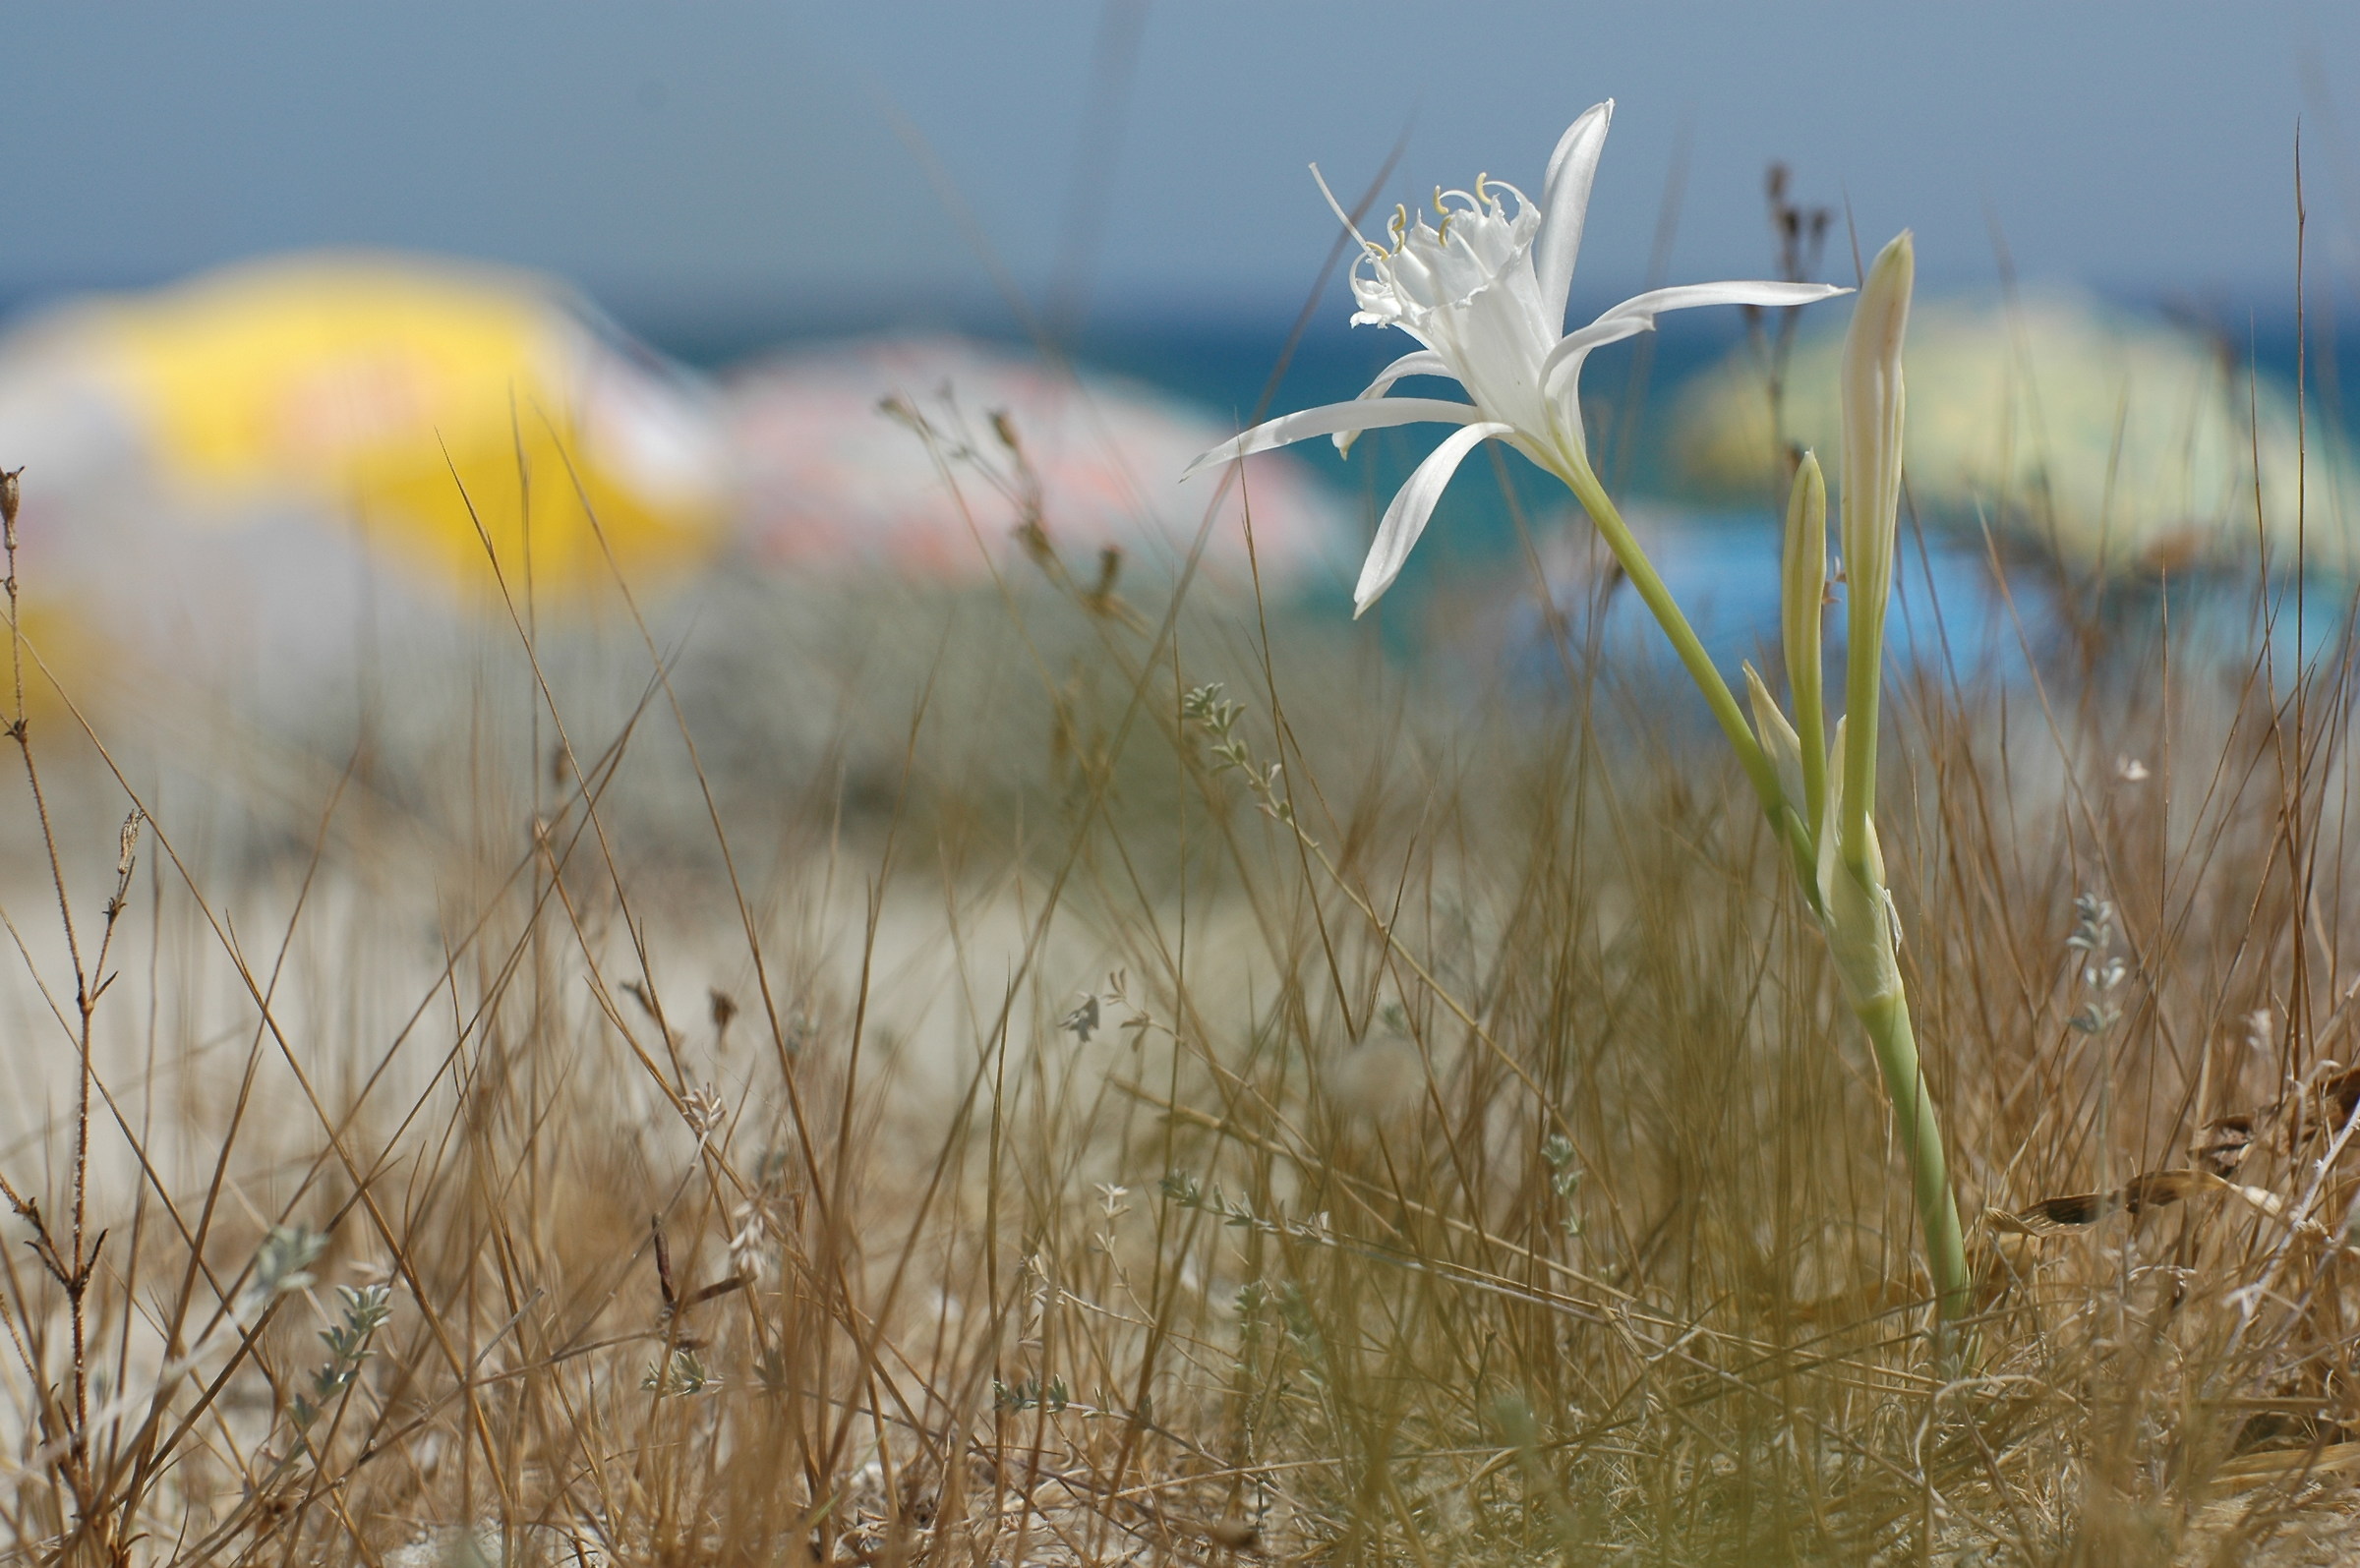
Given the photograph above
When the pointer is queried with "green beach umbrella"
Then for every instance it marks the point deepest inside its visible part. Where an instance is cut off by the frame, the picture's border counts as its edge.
(2112, 442)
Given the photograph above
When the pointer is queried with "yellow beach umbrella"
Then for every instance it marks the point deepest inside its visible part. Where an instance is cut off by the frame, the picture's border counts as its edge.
(404, 398)
(2112, 442)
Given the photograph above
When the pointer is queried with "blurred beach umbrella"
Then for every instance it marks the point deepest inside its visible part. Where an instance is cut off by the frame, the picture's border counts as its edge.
(392, 402)
(924, 456)
(266, 483)
(2112, 442)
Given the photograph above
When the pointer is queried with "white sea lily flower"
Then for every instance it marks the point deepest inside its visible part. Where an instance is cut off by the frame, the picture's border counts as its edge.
(1484, 288)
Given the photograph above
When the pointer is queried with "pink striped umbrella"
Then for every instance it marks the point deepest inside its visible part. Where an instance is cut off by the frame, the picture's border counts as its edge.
(889, 453)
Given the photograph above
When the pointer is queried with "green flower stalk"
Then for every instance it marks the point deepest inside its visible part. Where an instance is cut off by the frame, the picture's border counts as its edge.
(1484, 291)
(1854, 907)
(1872, 412)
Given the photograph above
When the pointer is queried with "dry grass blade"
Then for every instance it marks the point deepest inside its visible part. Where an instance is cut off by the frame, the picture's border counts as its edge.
(2152, 1189)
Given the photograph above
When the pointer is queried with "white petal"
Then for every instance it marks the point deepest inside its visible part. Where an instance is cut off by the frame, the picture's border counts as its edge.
(1565, 203)
(1425, 362)
(1563, 362)
(1646, 307)
(1637, 315)
(1405, 519)
(1357, 415)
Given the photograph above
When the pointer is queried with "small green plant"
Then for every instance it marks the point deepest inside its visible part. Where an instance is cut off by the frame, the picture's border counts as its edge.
(1030, 1394)
(682, 1373)
(282, 1264)
(365, 1311)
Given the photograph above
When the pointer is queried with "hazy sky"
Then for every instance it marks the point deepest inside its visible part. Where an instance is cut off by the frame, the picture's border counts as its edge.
(718, 155)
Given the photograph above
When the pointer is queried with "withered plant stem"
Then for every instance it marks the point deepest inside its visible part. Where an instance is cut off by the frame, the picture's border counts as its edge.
(75, 1273)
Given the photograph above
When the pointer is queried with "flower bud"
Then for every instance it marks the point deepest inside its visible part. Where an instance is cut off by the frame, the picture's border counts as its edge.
(1802, 594)
(1779, 740)
(1872, 421)
(1864, 936)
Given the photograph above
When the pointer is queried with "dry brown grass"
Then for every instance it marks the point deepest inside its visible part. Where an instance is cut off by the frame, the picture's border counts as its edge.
(1468, 1160)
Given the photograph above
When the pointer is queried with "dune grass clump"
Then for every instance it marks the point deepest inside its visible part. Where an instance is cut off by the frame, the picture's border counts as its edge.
(1325, 1115)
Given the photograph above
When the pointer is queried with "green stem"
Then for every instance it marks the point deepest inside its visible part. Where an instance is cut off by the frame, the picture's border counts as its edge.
(1886, 1018)
(1785, 819)
(1863, 684)
(1887, 1021)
